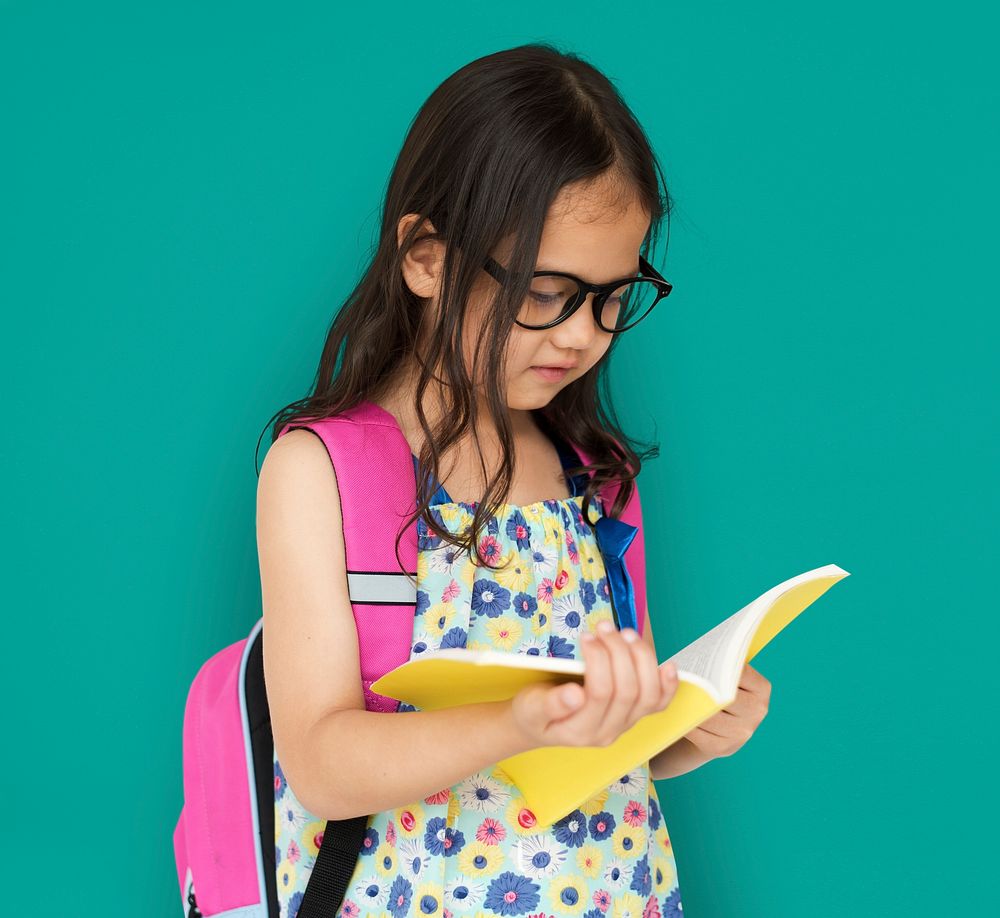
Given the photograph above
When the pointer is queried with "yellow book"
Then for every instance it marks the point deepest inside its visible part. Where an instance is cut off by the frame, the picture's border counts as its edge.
(555, 780)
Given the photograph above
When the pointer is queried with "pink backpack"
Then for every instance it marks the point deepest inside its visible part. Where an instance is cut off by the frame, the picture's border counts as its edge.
(224, 837)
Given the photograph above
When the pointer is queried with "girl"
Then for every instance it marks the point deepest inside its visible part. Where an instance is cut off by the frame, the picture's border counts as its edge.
(507, 266)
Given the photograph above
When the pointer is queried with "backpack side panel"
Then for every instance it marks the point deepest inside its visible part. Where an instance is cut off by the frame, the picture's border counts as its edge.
(216, 841)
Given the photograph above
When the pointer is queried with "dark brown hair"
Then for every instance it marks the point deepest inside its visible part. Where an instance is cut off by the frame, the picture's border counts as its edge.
(483, 160)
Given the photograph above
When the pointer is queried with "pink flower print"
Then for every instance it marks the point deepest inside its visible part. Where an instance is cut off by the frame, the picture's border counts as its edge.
(561, 579)
(390, 833)
(293, 851)
(574, 555)
(545, 591)
(451, 591)
(350, 909)
(652, 908)
(635, 813)
(490, 549)
(602, 899)
(448, 913)
(491, 832)
(442, 796)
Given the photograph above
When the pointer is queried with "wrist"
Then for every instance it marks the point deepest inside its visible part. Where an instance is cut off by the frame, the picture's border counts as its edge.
(677, 759)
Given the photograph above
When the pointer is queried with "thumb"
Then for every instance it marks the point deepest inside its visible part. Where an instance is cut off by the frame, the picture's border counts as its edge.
(562, 700)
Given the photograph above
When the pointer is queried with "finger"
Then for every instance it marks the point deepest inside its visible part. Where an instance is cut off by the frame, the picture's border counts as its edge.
(669, 682)
(563, 700)
(598, 684)
(645, 668)
(626, 684)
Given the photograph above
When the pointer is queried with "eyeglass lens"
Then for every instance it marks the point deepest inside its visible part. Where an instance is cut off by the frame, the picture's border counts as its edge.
(551, 298)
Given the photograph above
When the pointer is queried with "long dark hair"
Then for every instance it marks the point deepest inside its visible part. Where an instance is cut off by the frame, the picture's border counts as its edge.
(483, 160)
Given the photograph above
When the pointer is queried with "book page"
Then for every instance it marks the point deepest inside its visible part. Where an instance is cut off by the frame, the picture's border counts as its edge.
(711, 655)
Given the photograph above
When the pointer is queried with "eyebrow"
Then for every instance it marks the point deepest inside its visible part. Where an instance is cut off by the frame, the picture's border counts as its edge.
(635, 272)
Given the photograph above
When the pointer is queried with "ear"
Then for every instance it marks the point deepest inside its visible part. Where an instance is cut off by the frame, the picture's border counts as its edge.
(423, 262)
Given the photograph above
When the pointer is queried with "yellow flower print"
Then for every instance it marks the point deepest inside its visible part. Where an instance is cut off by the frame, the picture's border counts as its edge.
(422, 566)
(628, 842)
(286, 876)
(542, 627)
(599, 615)
(479, 645)
(409, 820)
(520, 818)
(568, 894)
(664, 874)
(555, 534)
(595, 804)
(589, 859)
(480, 859)
(518, 576)
(438, 619)
(662, 839)
(450, 513)
(385, 859)
(311, 837)
(626, 905)
(454, 809)
(504, 631)
(427, 900)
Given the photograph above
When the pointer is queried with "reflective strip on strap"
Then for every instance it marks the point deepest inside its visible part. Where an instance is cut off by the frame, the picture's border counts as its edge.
(376, 588)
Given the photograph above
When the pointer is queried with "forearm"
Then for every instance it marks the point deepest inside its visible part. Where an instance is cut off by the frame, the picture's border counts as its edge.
(364, 762)
(677, 759)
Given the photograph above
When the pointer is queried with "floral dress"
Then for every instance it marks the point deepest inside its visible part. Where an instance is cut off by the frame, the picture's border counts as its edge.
(473, 850)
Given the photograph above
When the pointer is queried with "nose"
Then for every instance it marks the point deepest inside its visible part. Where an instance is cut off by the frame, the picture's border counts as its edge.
(579, 329)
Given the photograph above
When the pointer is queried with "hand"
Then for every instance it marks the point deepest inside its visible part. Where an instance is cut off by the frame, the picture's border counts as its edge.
(622, 684)
(729, 729)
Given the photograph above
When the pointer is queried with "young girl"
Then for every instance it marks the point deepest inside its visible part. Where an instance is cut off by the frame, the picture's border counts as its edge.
(507, 266)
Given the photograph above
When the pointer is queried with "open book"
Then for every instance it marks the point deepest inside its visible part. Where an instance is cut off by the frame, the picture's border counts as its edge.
(556, 779)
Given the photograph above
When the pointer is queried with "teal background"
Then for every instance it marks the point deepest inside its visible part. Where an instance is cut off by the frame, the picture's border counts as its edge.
(190, 190)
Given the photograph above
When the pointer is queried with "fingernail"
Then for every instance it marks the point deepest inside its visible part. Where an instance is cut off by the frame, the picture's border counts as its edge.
(587, 636)
(630, 635)
(606, 626)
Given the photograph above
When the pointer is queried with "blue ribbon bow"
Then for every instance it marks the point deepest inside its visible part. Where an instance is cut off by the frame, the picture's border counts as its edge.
(613, 538)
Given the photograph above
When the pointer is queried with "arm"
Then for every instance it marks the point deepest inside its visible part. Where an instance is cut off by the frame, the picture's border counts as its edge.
(722, 734)
(340, 759)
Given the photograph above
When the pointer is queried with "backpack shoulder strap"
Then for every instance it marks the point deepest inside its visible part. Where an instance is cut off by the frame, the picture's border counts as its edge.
(377, 487)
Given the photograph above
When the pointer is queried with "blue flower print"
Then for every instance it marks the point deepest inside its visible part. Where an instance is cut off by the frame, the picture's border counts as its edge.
(511, 894)
(588, 595)
(294, 904)
(426, 541)
(428, 904)
(604, 589)
(642, 880)
(423, 601)
(654, 813)
(525, 605)
(493, 526)
(419, 647)
(672, 907)
(519, 530)
(489, 598)
(594, 913)
(439, 838)
(601, 825)
(279, 782)
(454, 637)
(370, 842)
(571, 830)
(560, 647)
(399, 896)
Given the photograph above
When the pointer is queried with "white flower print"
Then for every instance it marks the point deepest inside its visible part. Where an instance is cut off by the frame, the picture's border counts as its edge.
(634, 784)
(618, 874)
(543, 559)
(539, 856)
(463, 893)
(412, 857)
(567, 616)
(372, 892)
(482, 793)
(534, 644)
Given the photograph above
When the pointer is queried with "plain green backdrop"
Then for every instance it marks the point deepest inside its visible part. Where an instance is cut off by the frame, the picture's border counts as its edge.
(190, 190)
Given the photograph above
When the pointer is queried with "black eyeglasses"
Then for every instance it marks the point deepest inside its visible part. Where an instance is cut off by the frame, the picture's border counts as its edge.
(618, 305)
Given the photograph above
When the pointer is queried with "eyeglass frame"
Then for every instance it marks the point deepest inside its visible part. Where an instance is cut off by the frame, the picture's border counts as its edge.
(601, 292)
